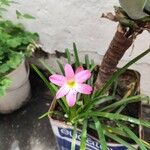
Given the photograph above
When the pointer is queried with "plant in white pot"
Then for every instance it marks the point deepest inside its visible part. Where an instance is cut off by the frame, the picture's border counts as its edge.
(14, 72)
(85, 119)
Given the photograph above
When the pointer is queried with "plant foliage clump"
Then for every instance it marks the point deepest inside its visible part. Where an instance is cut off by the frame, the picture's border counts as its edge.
(14, 41)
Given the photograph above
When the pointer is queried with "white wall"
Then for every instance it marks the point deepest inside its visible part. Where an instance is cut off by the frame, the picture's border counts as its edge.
(62, 22)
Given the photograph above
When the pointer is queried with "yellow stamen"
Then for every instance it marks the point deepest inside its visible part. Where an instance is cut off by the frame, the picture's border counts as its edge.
(71, 83)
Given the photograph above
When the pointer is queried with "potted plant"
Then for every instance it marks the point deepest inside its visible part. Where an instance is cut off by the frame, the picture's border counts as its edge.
(134, 18)
(15, 47)
(80, 116)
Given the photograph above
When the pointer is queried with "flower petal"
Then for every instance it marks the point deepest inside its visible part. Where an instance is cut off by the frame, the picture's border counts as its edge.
(79, 69)
(69, 73)
(82, 76)
(57, 79)
(62, 92)
(84, 88)
(71, 98)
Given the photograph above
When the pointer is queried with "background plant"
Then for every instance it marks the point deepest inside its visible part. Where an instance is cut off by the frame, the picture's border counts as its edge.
(134, 18)
(15, 44)
(4, 4)
(85, 115)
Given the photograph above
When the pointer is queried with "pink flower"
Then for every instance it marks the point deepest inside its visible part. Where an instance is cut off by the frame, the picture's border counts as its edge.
(72, 83)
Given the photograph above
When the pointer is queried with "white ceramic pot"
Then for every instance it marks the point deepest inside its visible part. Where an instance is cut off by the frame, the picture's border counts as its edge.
(19, 91)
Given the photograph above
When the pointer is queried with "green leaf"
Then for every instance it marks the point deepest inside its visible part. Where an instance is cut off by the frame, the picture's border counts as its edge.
(100, 132)
(118, 73)
(61, 67)
(113, 117)
(133, 136)
(4, 85)
(14, 42)
(28, 16)
(51, 71)
(2, 9)
(117, 131)
(87, 62)
(68, 55)
(52, 88)
(97, 101)
(77, 62)
(134, 8)
(126, 101)
(147, 6)
(119, 140)
(146, 143)
(50, 113)
(84, 135)
(74, 137)
(19, 14)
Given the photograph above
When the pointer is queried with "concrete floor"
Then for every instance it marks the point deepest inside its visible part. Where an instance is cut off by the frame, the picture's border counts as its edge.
(22, 130)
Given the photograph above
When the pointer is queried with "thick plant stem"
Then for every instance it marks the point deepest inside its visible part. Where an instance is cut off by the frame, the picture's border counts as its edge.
(117, 48)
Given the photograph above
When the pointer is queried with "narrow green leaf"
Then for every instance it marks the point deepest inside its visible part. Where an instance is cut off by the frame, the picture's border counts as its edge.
(18, 13)
(113, 116)
(74, 137)
(119, 72)
(107, 128)
(115, 87)
(50, 113)
(47, 66)
(118, 131)
(46, 114)
(133, 136)
(68, 55)
(146, 143)
(61, 67)
(28, 16)
(87, 61)
(100, 132)
(97, 101)
(84, 135)
(52, 88)
(119, 140)
(77, 62)
(128, 100)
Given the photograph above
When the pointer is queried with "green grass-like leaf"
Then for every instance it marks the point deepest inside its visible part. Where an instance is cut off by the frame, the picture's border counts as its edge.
(119, 140)
(126, 101)
(98, 101)
(68, 55)
(51, 71)
(118, 73)
(74, 137)
(133, 136)
(84, 135)
(77, 62)
(114, 117)
(61, 67)
(52, 88)
(100, 132)
(87, 62)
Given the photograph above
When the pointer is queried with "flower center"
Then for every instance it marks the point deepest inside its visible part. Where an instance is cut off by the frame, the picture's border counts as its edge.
(71, 83)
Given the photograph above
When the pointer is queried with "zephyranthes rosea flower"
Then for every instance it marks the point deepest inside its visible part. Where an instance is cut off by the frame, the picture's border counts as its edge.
(72, 83)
